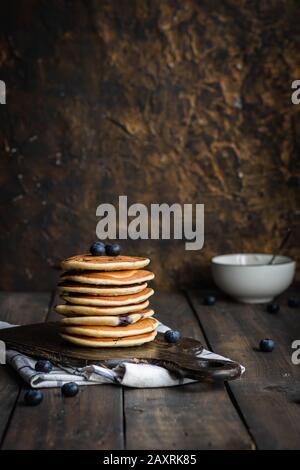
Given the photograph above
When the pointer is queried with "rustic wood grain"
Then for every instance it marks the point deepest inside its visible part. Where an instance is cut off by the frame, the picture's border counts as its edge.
(268, 396)
(91, 420)
(194, 416)
(17, 308)
(159, 100)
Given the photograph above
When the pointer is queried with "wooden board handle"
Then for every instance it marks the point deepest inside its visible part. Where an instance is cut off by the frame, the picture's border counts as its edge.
(192, 367)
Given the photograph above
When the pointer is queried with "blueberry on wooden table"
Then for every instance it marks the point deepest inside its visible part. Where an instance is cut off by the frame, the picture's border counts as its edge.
(266, 345)
(43, 366)
(209, 300)
(273, 308)
(172, 336)
(97, 249)
(293, 302)
(113, 250)
(33, 397)
(70, 389)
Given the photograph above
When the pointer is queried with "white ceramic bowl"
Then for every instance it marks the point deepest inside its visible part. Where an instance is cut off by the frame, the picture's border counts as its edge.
(248, 277)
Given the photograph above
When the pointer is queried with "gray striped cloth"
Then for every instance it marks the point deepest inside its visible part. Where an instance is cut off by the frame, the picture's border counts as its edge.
(127, 374)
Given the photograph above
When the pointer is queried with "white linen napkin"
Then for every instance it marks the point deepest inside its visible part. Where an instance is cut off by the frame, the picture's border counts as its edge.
(127, 374)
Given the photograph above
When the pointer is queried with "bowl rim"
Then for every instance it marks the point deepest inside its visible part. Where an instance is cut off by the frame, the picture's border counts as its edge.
(214, 261)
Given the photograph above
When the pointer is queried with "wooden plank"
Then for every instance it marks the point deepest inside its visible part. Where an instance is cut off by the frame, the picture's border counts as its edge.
(186, 417)
(91, 420)
(43, 340)
(17, 308)
(268, 393)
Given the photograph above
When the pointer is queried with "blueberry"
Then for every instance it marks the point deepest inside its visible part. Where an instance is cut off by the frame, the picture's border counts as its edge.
(266, 345)
(209, 300)
(293, 302)
(33, 397)
(97, 249)
(113, 250)
(70, 389)
(43, 366)
(172, 336)
(124, 320)
(273, 308)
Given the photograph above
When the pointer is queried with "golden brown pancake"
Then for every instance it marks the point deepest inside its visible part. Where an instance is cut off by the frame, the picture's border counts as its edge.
(110, 342)
(117, 278)
(101, 320)
(106, 301)
(141, 327)
(69, 286)
(71, 310)
(104, 263)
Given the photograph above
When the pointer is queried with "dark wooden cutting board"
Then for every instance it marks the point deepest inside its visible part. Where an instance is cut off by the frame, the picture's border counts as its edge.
(42, 340)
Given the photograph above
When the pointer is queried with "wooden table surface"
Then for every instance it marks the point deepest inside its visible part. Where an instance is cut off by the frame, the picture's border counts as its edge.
(259, 411)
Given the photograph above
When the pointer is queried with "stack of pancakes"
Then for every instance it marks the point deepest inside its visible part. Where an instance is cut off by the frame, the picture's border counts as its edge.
(106, 301)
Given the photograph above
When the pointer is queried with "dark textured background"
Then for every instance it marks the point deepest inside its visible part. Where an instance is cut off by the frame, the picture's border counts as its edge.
(165, 101)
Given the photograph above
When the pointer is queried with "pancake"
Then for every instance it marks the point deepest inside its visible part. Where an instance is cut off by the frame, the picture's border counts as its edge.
(103, 301)
(104, 263)
(69, 286)
(118, 278)
(110, 342)
(141, 327)
(101, 320)
(71, 310)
